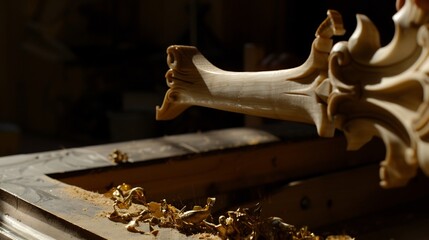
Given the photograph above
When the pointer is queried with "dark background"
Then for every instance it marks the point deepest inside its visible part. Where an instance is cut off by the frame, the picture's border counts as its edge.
(83, 72)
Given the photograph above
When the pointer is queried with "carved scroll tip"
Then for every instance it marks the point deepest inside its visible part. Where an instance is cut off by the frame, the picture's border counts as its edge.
(332, 26)
(182, 49)
(411, 12)
(172, 49)
(160, 112)
(365, 40)
(337, 22)
(170, 108)
(178, 56)
(172, 56)
(157, 113)
(169, 111)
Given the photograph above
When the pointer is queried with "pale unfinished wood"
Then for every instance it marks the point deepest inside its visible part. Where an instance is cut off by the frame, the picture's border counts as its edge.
(286, 94)
(356, 86)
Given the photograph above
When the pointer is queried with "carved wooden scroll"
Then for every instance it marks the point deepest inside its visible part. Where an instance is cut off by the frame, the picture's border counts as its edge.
(357, 86)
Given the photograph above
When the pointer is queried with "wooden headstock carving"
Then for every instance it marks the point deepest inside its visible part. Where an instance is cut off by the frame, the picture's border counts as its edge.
(356, 86)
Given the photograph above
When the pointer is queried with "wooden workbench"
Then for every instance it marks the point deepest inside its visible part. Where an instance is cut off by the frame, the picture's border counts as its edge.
(314, 182)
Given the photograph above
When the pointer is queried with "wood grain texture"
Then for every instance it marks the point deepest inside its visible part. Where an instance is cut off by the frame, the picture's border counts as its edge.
(358, 86)
(63, 211)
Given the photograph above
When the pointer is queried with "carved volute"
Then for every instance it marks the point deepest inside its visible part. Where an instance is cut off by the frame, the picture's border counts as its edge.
(356, 86)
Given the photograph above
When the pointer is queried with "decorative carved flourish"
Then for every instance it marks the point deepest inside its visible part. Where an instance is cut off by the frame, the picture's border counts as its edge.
(357, 86)
(382, 91)
(292, 94)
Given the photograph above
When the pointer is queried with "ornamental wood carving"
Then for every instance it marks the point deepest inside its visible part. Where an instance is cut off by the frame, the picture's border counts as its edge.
(358, 86)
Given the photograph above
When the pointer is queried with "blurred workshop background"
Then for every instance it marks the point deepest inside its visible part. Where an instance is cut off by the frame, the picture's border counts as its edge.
(84, 72)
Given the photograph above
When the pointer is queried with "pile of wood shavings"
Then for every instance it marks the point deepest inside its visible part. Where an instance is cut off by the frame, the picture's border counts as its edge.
(131, 208)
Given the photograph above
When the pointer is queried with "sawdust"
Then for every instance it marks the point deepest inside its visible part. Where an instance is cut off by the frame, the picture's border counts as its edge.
(93, 197)
(97, 199)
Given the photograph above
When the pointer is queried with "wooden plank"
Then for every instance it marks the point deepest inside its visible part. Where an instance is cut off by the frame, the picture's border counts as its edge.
(236, 166)
(32, 198)
(201, 175)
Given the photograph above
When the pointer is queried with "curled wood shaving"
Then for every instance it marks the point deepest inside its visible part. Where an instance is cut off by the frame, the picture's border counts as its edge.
(243, 223)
